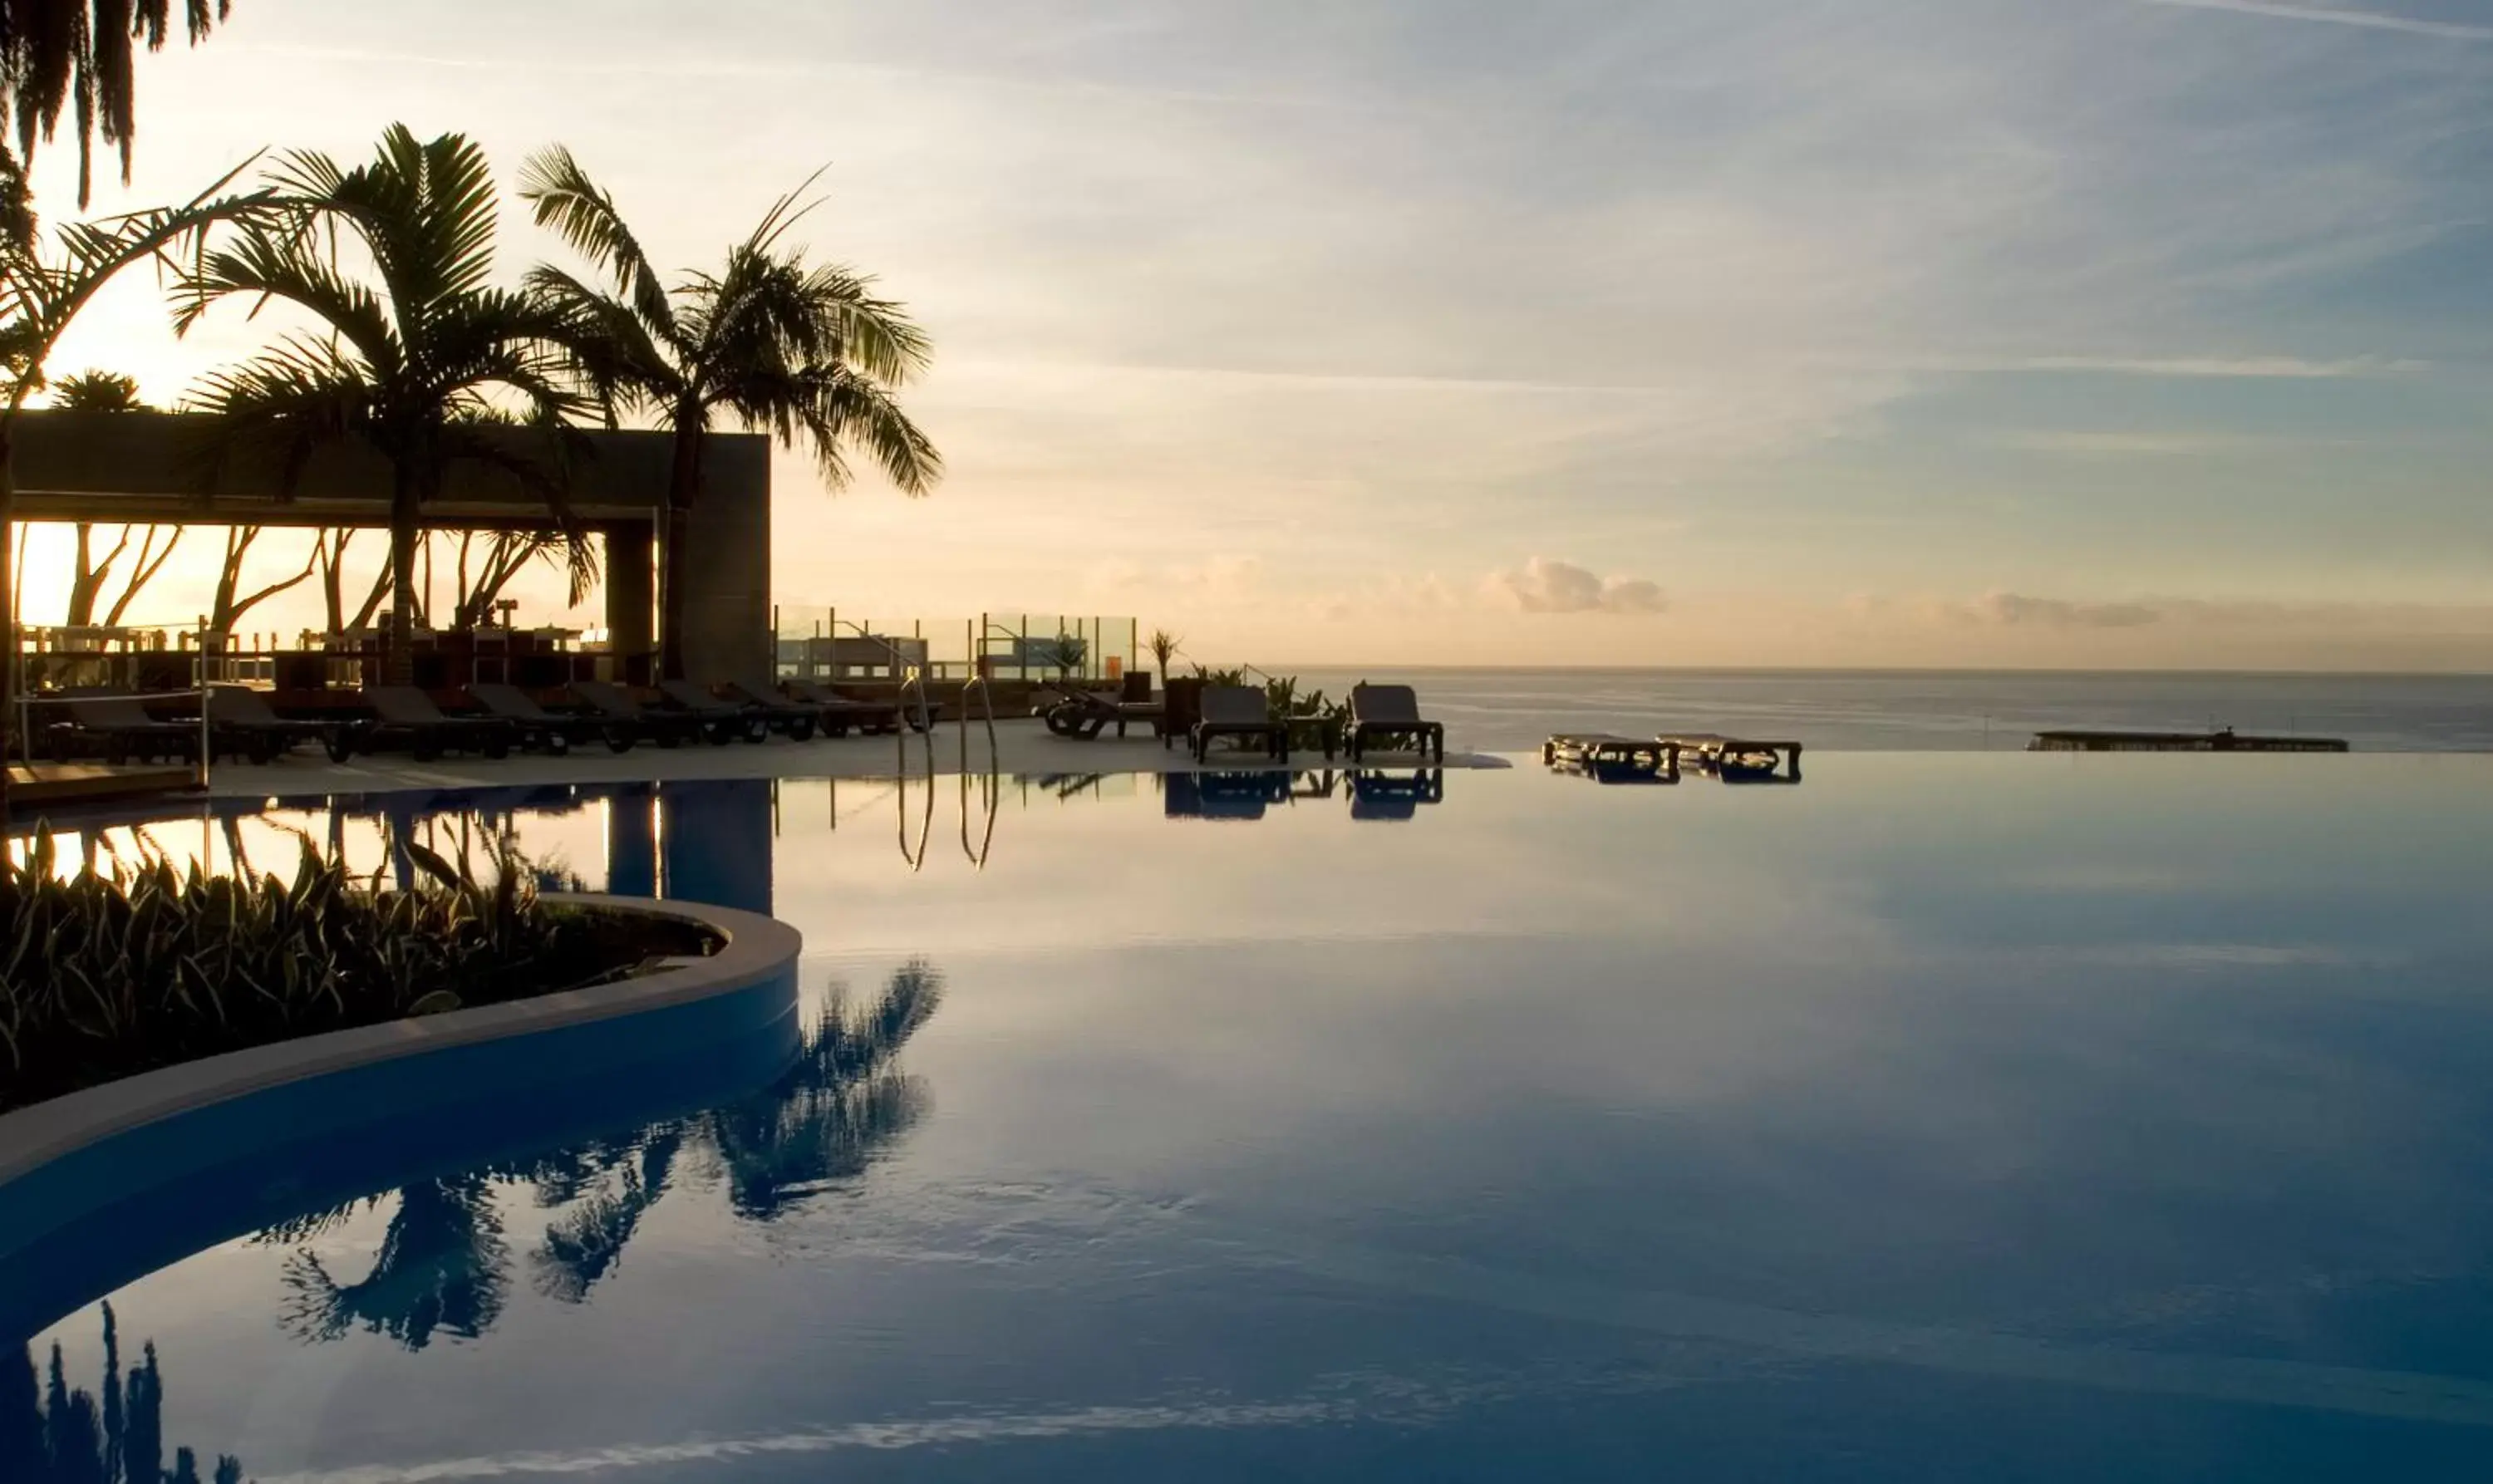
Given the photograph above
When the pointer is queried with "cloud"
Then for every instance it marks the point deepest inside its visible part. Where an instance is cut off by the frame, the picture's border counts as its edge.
(1546, 586)
(2278, 10)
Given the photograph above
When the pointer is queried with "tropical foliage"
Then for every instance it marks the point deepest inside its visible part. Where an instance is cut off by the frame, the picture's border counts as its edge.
(423, 363)
(108, 972)
(806, 352)
(444, 1264)
(55, 1432)
(1283, 696)
(1163, 646)
(98, 391)
(55, 52)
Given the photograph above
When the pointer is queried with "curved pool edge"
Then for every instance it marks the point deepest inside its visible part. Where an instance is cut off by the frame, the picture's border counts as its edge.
(698, 1027)
(33, 1136)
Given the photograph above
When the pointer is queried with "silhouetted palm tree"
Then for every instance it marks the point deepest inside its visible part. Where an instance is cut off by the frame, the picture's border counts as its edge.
(416, 365)
(98, 391)
(55, 52)
(806, 353)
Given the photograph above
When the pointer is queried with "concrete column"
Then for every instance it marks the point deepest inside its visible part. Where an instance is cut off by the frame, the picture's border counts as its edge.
(631, 589)
(726, 566)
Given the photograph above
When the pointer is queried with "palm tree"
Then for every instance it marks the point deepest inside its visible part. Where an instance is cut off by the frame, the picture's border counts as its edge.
(98, 391)
(56, 52)
(41, 291)
(806, 353)
(416, 365)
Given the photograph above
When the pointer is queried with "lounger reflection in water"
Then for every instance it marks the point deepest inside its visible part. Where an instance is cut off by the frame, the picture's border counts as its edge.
(1377, 794)
(1223, 796)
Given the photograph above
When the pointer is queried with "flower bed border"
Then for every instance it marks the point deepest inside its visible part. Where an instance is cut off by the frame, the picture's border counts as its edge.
(758, 949)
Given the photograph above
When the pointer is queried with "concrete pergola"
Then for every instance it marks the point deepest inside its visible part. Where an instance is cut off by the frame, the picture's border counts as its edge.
(157, 467)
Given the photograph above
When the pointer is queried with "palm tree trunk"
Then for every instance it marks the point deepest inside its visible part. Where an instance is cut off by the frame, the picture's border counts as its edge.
(683, 487)
(407, 511)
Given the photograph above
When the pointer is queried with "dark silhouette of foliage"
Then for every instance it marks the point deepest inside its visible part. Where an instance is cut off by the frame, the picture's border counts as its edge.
(53, 1433)
(76, 55)
(442, 1267)
(107, 973)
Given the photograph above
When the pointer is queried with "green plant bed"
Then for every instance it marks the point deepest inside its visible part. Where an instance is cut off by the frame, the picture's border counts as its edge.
(103, 976)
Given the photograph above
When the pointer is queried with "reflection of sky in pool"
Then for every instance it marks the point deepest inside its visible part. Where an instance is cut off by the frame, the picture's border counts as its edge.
(1945, 1117)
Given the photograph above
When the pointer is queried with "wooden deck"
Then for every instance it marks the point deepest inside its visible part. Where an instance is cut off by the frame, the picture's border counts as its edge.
(35, 786)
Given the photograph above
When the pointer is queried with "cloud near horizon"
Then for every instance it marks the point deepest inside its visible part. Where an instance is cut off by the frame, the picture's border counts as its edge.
(1546, 586)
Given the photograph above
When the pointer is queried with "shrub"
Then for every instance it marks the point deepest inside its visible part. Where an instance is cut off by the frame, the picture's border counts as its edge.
(103, 976)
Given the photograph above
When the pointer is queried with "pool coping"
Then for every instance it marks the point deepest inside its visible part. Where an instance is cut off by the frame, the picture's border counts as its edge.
(756, 948)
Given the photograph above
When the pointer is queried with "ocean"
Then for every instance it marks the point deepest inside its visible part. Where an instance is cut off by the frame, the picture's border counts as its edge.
(1511, 709)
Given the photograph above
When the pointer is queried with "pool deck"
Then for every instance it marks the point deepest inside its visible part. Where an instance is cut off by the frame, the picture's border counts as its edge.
(1023, 746)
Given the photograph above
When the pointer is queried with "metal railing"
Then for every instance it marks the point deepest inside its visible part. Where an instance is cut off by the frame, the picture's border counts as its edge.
(820, 643)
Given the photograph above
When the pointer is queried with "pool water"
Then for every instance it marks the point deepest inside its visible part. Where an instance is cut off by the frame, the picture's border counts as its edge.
(1942, 1117)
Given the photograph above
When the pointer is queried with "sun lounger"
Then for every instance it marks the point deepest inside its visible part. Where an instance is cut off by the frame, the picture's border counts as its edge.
(1084, 714)
(840, 713)
(402, 712)
(122, 727)
(1239, 711)
(1390, 712)
(612, 703)
(241, 720)
(722, 721)
(549, 732)
(796, 720)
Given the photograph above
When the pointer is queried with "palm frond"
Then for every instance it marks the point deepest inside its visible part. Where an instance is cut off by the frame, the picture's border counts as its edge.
(300, 395)
(581, 213)
(609, 346)
(829, 408)
(41, 292)
(264, 266)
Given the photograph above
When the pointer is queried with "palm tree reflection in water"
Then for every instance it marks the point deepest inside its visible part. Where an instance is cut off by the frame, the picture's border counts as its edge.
(444, 1264)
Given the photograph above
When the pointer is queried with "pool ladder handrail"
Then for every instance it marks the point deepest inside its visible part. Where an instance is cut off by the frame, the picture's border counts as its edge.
(991, 791)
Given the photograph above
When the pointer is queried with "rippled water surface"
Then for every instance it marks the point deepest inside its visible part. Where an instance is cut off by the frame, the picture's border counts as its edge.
(1950, 1118)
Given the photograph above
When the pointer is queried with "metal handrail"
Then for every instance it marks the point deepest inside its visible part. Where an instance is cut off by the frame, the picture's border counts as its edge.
(991, 798)
(985, 690)
(926, 823)
(913, 680)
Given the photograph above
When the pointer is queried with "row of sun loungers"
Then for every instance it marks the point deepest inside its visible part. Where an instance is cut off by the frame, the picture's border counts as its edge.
(1378, 714)
(240, 722)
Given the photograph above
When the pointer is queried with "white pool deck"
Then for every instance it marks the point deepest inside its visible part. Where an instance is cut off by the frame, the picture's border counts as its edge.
(1022, 746)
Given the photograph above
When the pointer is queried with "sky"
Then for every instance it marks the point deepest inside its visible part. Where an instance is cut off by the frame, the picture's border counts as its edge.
(2050, 333)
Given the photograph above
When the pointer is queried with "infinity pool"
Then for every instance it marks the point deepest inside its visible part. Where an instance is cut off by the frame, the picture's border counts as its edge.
(1942, 1118)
